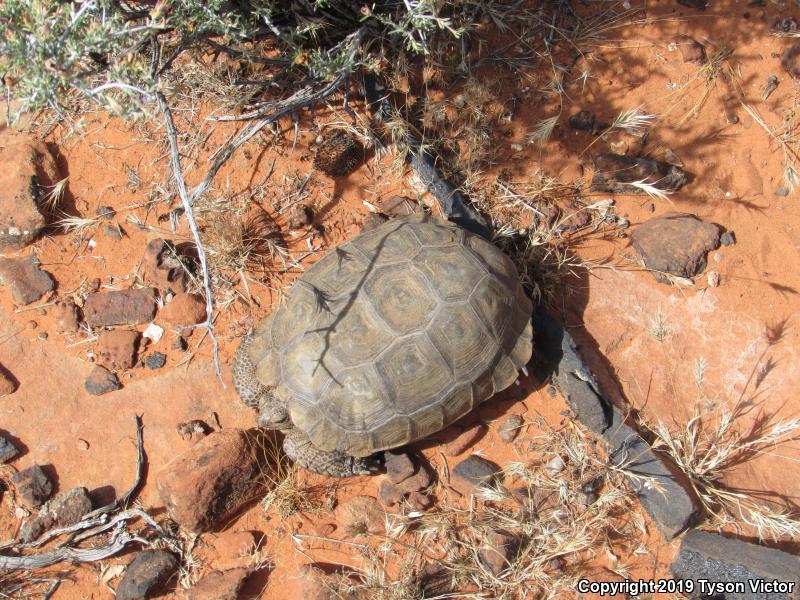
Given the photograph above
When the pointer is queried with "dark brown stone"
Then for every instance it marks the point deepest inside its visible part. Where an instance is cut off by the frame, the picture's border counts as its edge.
(101, 381)
(790, 61)
(33, 486)
(497, 551)
(146, 574)
(472, 473)
(399, 465)
(25, 278)
(123, 307)
(675, 244)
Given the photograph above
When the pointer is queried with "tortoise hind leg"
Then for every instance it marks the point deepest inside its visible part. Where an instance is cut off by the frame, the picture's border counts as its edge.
(299, 448)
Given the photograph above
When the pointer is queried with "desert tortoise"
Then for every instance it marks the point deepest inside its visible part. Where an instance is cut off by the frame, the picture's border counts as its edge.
(387, 339)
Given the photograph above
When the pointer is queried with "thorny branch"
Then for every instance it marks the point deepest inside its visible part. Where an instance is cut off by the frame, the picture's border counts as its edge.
(177, 172)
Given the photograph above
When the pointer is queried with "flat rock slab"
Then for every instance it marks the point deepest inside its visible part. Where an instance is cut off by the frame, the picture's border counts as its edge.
(28, 171)
(669, 504)
(747, 569)
(122, 307)
(213, 480)
(148, 572)
(616, 173)
(25, 278)
(675, 244)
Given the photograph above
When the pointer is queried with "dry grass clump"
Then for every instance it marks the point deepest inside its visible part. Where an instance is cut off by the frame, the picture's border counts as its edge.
(562, 509)
(712, 442)
(238, 236)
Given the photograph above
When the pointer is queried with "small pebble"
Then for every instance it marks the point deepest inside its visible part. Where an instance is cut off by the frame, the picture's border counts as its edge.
(555, 466)
(728, 238)
(43, 335)
(585, 499)
(31, 324)
(713, 279)
(83, 444)
(156, 360)
(180, 344)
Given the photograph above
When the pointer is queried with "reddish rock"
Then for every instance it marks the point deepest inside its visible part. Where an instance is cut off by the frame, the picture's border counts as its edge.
(389, 494)
(510, 427)
(8, 384)
(417, 482)
(146, 574)
(219, 585)
(25, 278)
(473, 473)
(101, 381)
(213, 480)
(163, 267)
(497, 551)
(32, 486)
(465, 440)
(116, 348)
(66, 316)
(692, 51)
(675, 244)
(28, 173)
(399, 465)
(361, 514)
(184, 310)
(123, 307)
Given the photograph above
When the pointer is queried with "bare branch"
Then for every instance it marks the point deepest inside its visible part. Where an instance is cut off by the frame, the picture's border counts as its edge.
(177, 172)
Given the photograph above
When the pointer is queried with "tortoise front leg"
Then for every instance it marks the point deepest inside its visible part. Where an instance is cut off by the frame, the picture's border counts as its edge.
(299, 448)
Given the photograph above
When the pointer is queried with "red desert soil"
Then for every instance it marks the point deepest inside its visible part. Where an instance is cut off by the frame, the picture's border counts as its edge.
(744, 331)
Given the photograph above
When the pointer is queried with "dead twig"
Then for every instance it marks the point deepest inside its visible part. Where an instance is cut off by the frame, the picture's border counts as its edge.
(177, 172)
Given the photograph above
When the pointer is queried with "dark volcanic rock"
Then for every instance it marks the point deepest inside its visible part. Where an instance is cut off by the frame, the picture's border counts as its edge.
(7, 450)
(33, 487)
(714, 558)
(101, 381)
(156, 360)
(147, 573)
(675, 243)
(472, 473)
(698, 4)
(616, 172)
(26, 279)
(122, 307)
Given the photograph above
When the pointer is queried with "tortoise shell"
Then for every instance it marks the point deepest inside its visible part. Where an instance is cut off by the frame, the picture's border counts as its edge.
(394, 335)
